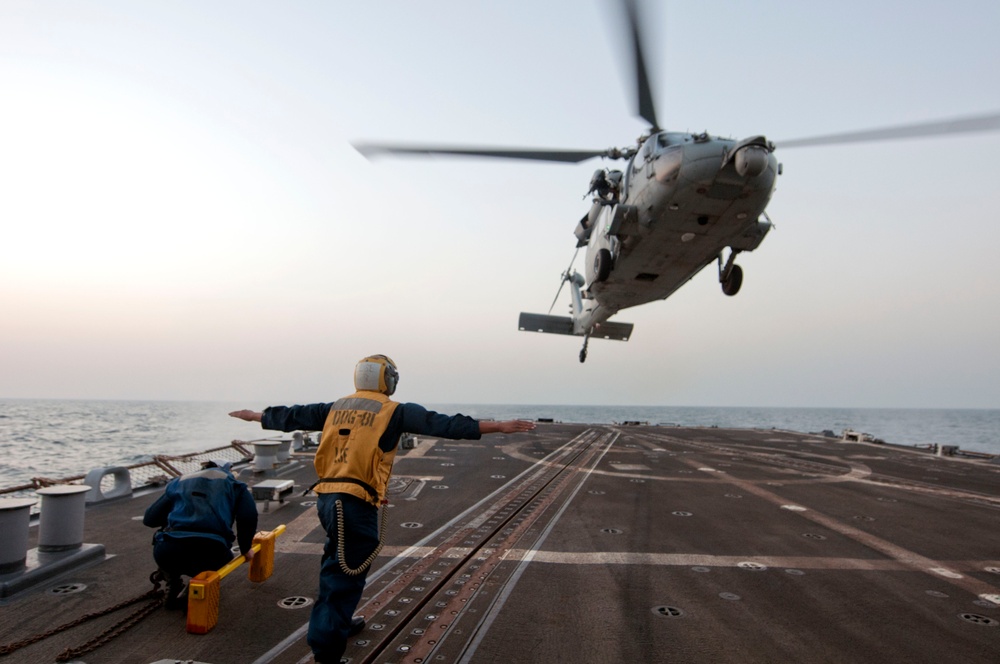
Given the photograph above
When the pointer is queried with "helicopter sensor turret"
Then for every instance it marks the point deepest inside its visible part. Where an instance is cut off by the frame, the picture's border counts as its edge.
(750, 156)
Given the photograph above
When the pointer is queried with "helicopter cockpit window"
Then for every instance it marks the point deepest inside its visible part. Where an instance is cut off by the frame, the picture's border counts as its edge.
(668, 163)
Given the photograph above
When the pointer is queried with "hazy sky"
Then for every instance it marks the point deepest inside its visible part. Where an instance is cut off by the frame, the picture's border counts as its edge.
(183, 215)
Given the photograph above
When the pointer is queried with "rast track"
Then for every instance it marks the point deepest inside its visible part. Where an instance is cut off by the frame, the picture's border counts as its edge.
(438, 596)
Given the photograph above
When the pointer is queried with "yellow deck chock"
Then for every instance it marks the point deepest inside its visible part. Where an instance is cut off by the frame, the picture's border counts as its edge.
(203, 591)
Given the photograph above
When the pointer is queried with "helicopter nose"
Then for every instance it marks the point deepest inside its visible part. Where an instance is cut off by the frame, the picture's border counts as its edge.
(751, 160)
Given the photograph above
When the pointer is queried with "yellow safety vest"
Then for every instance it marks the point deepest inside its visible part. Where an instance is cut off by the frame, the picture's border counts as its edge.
(349, 459)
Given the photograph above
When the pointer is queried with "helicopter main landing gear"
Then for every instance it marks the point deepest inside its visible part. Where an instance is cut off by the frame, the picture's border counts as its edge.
(602, 265)
(583, 351)
(730, 276)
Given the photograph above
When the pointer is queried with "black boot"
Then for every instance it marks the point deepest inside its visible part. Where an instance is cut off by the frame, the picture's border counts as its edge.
(176, 594)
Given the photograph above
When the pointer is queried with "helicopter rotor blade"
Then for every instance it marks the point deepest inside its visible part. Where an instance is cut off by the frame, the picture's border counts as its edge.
(646, 109)
(567, 156)
(963, 125)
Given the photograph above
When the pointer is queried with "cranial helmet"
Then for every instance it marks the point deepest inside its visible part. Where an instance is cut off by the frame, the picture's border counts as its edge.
(376, 373)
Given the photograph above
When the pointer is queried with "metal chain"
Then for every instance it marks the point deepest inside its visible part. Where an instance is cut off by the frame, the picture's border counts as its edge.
(155, 594)
(115, 630)
(340, 541)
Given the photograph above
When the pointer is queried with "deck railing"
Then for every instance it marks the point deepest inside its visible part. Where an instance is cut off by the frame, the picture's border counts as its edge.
(155, 472)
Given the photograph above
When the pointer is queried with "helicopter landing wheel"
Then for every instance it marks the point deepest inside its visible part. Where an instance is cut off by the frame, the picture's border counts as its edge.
(583, 351)
(602, 265)
(731, 286)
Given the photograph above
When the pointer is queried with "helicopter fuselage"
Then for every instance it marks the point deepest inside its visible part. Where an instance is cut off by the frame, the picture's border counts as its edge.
(684, 198)
(680, 202)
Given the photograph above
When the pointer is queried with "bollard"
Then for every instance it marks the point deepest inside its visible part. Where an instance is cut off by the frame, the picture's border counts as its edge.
(60, 521)
(283, 451)
(15, 515)
(298, 441)
(265, 454)
(204, 590)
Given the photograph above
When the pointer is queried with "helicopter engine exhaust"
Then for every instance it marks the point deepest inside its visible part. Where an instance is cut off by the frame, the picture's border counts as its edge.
(751, 160)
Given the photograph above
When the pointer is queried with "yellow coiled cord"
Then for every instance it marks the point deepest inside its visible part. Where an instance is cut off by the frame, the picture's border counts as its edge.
(340, 541)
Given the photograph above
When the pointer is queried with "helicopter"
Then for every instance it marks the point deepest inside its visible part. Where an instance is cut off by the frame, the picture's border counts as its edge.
(681, 202)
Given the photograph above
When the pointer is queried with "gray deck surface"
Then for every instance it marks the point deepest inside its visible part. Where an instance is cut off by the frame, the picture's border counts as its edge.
(580, 543)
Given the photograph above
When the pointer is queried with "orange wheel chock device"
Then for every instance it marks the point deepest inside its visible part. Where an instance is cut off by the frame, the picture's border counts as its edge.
(204, 590)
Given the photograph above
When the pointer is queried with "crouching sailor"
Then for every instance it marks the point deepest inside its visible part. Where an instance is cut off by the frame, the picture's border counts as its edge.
(354, 460)
(195, 516)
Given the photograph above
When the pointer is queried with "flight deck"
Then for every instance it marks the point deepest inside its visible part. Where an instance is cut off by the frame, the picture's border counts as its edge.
(580, 543)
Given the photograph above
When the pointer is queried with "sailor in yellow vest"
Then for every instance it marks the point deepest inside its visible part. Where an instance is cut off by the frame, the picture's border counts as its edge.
(353, 463)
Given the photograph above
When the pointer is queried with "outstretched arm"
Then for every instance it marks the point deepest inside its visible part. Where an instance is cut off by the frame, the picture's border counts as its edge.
(506, 426)
(246, 415)
(287, 418)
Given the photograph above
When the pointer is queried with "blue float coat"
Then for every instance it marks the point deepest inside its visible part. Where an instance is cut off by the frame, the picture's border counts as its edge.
(205, 504)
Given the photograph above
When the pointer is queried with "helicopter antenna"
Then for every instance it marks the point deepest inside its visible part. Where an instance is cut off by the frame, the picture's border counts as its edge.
(565, 278)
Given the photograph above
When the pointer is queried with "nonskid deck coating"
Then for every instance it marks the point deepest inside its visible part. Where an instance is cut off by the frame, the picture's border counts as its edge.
(663, 544)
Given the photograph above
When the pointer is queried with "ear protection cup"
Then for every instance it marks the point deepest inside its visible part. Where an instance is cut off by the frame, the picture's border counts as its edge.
(390, 377)
(376, 373)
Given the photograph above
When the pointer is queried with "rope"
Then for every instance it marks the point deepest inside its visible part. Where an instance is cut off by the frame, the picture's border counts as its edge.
(156, 597)
(340, 541)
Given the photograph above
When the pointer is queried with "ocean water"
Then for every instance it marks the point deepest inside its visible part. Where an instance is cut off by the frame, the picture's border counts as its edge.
(60, 438)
